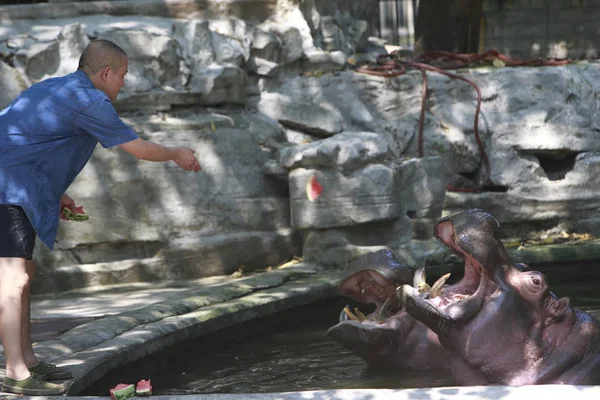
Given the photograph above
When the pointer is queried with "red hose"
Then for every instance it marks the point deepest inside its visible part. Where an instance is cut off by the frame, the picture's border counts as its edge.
(390, 65)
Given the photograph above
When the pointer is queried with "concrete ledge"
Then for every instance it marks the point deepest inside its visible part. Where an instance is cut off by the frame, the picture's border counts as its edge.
(514, 210)
(546, 392)
(556, 253)
(441, 259)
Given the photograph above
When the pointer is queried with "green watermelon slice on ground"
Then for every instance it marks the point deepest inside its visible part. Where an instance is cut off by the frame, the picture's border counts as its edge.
(122, 391)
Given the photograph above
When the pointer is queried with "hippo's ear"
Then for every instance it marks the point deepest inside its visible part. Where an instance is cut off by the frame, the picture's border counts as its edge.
(556, 310)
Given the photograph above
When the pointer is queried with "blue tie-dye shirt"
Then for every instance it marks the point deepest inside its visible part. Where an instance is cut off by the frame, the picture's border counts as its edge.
(47, 135)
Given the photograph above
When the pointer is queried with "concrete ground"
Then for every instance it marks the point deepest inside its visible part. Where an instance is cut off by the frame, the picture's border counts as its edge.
(93, 331)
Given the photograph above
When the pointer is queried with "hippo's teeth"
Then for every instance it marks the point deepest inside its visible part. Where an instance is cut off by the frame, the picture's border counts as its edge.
(351, 315)
(423, 287)
(362, 291)
(359, 314)
(419, 277)
(399, 294)
(436, 289)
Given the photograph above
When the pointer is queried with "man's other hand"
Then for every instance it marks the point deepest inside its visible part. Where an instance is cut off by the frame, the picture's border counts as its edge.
(186, 159)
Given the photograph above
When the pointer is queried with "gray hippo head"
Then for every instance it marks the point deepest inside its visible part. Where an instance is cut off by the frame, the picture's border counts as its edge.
(388, 336)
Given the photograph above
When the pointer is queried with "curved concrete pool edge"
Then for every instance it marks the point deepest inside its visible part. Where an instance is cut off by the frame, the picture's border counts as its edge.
(546, 392)
(92, 349)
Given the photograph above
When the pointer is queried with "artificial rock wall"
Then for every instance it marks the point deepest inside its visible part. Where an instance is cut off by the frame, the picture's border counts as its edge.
(269, 101)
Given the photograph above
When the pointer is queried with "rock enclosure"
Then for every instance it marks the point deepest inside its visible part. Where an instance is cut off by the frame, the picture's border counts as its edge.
(270, 101)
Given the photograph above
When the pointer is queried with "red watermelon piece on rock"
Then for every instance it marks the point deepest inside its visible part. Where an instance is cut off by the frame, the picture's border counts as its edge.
(313, 188)
(143, 388)
(122, 391)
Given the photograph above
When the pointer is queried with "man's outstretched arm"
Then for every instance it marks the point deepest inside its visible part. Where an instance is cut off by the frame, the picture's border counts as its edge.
(146, 150)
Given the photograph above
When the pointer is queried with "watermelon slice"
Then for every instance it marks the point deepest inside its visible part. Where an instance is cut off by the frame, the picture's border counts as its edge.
(76, 214)
(143, 388)
(122, 391)
(313, 188)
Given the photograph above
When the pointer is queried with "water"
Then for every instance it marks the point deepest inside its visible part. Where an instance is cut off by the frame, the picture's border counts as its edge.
(298, 356)
(291, 360)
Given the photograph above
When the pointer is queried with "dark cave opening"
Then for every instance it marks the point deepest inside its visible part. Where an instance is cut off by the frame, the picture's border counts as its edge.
(556, 163)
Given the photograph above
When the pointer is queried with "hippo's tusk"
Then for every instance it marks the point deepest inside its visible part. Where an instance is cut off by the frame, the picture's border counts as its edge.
(419, 279)
(436, 289)
(351, 315)
(359, 314)
(399, 294)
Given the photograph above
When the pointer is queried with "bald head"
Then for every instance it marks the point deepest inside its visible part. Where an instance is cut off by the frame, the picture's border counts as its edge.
(100, 54)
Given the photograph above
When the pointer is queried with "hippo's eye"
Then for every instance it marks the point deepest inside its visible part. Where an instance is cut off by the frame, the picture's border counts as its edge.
(537, 279)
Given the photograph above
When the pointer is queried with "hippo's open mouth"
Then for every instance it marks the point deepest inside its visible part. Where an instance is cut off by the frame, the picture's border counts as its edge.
(370, 287)
(456, 302)
(469, 284)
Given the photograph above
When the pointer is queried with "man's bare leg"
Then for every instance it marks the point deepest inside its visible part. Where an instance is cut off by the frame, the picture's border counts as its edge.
(13, 280)
(28, 354)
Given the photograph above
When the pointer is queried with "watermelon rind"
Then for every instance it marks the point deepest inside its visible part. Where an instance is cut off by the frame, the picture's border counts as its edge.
(122, 391)
(77, 215)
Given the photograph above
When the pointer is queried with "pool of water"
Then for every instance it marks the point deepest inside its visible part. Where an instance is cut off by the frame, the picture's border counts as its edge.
(296, 359)
(289, 351)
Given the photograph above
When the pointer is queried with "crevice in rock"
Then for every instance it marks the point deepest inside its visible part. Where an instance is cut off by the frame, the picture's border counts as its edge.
(555, 163)
(471, 180)
(110, 252)
(495, 188)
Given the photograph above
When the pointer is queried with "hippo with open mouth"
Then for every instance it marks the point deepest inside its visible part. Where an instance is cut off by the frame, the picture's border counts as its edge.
(501, 324)
(388, 336)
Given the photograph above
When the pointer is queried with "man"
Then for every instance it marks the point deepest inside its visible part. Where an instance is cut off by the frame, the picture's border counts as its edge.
(47, 135)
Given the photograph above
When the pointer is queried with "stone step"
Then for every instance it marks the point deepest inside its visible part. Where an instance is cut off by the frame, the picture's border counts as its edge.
(192, 257)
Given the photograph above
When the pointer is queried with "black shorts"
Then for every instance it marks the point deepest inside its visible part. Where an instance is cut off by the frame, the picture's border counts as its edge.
(17, 236)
